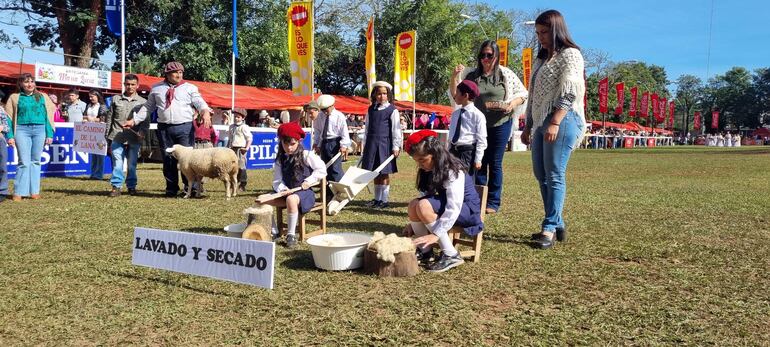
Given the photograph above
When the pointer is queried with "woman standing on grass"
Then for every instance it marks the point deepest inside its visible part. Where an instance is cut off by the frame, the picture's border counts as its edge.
(555, 119)
(500, 92)
(96, 112)
(32, 122)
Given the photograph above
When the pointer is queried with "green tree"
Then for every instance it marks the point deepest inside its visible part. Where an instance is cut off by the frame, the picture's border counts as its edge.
(647, 78)
(688, 92)
(761, 93)
(731, 95)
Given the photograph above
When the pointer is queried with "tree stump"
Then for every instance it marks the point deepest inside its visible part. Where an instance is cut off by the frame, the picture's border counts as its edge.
(256, 232)
(405, 265)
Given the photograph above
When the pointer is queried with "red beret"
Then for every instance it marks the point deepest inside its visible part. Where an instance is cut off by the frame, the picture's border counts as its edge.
(469, 87)
(415, 138)
(291, 129)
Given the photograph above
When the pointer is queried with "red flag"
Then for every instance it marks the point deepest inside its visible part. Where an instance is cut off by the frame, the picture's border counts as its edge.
(621, 98)
(715, 119)
(654, 105)
(696, 121)
(661, 111)
(643, 111)
(603, 90)
(671, 109)
(632, 106)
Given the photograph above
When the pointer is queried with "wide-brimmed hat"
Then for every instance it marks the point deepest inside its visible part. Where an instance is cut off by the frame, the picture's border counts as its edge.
(325, 101)
(382, 84)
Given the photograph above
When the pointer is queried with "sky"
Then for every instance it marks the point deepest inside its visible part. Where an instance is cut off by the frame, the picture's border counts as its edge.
(673, 34)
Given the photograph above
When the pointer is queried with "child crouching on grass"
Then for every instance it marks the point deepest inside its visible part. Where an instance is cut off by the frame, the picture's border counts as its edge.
(294, 167)
(447, 198)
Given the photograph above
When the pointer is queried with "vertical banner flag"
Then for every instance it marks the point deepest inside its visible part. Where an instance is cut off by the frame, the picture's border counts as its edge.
(371, 72)
(715, 119)
(671, 110)
(654, 105)
(662, 105)
(696, 121)
(502, 44)
(404, 79)
(300, 19)
(603, 90)
(621, 98)
(526, 64)
(644, 105)
(112, 11)
(235, 28)
(632, 104)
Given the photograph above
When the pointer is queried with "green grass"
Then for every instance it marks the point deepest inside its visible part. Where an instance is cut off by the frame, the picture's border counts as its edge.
(667, 246)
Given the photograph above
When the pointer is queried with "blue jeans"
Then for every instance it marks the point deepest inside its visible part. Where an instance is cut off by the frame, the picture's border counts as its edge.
(549, 163)
(97, 166)
(168, 136)
(30, 139)
(3, 166)
(120, 151)
(492, 163)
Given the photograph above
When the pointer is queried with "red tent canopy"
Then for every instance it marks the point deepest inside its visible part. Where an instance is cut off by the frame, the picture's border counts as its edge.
(761, 132)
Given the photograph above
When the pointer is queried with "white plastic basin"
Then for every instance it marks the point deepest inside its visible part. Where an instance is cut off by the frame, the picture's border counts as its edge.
(338, 251)
(235, 230)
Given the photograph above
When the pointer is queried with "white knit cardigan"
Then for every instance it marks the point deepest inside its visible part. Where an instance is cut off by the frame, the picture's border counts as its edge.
(556, 77)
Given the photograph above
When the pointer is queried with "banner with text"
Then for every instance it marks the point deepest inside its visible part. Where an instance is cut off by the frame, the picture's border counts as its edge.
(225, 258)
(526, 65)
(619, 90)
(301, 49)
(603, 91)
(671, 110)
(644, 105)
(89, 138)
(696, 121)
(502, 44)
(73, 76)
(404, 80)
(714, 119)
(662, 106)
(371, 71)
(632, 104)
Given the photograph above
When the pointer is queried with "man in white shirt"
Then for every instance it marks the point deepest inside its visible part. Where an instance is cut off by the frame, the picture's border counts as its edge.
(330, 135)
(175, 100)
(468, 128)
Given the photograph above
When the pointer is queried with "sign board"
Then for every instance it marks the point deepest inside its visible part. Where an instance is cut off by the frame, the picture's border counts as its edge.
(89, 138)
(225, 258)
(73, 76)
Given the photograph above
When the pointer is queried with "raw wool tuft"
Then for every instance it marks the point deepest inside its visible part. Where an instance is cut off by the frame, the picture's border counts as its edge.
(387, 246)
(333, 241)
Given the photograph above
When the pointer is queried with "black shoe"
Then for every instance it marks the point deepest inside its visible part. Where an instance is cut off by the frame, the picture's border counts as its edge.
(383, 204)
(131, 191)
(543, 242)
(373, 203)
(171, 194)
(446, 262)
(424, 258)
(291, 241)
(276, 237)
(561, 234)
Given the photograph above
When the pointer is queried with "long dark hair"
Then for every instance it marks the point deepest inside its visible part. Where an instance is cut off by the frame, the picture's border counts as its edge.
(374, 92)
(496, 66)
(444, 163)
(295, 159)
(560, 36)
(98, 96)
(24, 77)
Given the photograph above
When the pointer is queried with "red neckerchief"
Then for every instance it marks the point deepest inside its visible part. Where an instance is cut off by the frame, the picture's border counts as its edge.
(170, 92)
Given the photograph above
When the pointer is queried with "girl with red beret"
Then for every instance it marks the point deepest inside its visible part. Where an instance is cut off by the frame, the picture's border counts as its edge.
(447, 198)
(294, 167)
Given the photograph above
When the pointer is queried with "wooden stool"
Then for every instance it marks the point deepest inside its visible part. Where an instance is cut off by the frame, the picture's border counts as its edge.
(319, 207)
(474, 242)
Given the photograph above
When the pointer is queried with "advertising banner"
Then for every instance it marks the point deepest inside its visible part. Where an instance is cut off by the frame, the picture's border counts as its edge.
(404, 79)
(301, 50)
(73, 76)
(603, 91)
(526, 63)
(621, 98)
(502, 44)
(632, 104)
(371, 72)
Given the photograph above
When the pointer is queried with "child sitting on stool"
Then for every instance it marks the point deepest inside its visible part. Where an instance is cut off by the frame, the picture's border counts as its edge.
(294, 167)
(448, 197)
(468, 128)
(240, 141)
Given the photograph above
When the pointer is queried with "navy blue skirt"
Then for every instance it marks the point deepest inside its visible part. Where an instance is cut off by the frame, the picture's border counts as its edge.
(306, 200)
(469, 221)
(376, 149)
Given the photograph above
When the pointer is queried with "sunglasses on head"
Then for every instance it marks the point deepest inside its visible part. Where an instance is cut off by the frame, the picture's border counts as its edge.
(486, 55)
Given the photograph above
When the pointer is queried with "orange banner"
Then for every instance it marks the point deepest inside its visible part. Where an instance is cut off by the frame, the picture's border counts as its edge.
(502, 44)
(371, 73)
(526, 63)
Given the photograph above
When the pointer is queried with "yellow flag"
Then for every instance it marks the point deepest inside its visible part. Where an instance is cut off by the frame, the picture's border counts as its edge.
(503, 45)
(300, 19)
(371, 73)
(526, 62)
(404, 79)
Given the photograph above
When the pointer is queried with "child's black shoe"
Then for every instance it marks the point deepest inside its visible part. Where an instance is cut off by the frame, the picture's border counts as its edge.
(446, 262)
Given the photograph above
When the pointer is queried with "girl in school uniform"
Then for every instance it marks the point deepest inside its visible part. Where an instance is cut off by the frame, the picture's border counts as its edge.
(294, 167)
(383, 137)
(447, 198)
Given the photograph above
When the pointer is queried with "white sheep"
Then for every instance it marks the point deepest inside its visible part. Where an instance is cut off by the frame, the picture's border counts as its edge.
(217, 162)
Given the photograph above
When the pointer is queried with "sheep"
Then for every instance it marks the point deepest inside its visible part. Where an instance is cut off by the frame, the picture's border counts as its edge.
(218, 162)
(387, 246)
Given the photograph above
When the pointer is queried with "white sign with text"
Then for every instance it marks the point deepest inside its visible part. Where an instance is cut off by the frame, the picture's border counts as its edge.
(89, 138)
(226, 258)
(73, 76)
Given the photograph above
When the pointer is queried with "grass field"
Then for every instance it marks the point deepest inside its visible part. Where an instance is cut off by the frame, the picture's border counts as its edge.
(667, 246)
